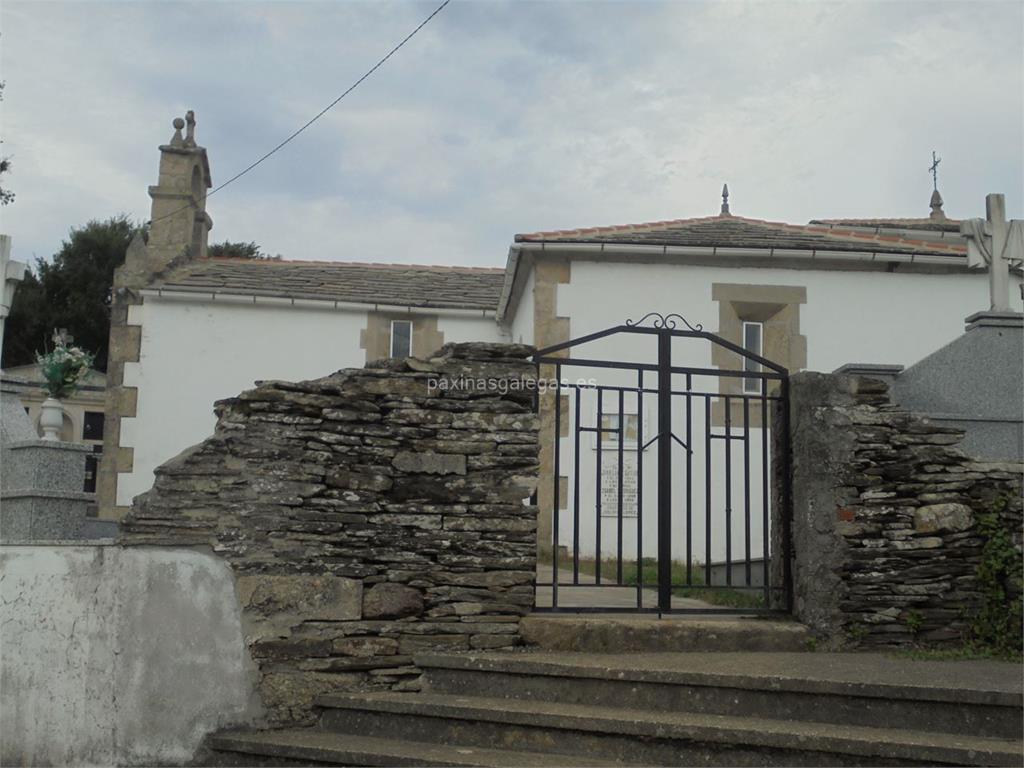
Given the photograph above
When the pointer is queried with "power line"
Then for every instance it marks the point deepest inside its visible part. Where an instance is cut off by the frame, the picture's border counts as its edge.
(320, 114)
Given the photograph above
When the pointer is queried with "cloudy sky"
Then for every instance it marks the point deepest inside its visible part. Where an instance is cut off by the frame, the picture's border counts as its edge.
(505, 117)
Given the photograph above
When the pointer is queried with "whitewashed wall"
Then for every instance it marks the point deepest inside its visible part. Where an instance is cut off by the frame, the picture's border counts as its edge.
(521, 322)
(194, 353)
(849, 317)
(118, 657)
(470, 328)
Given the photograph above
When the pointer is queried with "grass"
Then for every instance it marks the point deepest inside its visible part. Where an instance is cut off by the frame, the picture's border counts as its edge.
(731, 598)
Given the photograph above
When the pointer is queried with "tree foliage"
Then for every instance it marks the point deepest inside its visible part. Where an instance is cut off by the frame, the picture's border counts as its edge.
(72, 291)
(229, 250)
(6, 196)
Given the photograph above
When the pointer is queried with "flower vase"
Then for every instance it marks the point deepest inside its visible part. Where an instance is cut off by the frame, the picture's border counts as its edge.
(51, 418)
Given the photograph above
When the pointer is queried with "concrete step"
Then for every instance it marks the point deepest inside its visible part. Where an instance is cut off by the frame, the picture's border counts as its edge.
(303, 746)
(617, 633)
(648, 737)
(870, 690)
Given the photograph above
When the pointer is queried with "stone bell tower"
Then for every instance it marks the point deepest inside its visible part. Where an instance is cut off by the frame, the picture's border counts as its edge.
(178, 231)
(179, 225)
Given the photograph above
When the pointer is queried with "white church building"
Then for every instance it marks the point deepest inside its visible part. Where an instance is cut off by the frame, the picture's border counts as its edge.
(188, 330)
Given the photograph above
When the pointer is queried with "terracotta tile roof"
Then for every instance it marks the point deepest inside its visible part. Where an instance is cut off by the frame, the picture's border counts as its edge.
(739, 232)
(407, 285)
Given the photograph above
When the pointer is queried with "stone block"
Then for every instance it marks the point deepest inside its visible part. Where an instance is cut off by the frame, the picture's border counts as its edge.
(365, 646)
(43, 515)
(410, 644)
(289, 696)
(391, 601)
(934, 518)
(320, 597)
(430, 463)
(45, 464)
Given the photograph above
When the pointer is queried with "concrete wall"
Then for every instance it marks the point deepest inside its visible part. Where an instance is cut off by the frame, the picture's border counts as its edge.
(117, 656)
(196, 352)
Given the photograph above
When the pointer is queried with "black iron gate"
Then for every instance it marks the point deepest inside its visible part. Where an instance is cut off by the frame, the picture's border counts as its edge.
(710, 481)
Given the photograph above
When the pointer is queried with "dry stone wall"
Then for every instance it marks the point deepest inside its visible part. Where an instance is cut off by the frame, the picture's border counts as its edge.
(367, 515)
(885, 517)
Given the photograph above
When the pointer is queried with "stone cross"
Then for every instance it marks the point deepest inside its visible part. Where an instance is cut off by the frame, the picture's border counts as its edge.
(996, 242)
(13, 272)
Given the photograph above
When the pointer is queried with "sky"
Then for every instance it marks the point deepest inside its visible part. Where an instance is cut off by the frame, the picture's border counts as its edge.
(506, 117)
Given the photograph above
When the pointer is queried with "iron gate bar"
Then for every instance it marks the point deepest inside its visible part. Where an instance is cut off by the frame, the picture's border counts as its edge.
(728, 493)
(747, 488)
(621, 431)
(695, 392)
(689, 483)
(682, 445)
(707, 490)
(664, 471)
(717, 372)
(576, 497)
(787, 498)
(713, 338)
(764, 494)
(597, 487)
(557, 479)
(639, 491)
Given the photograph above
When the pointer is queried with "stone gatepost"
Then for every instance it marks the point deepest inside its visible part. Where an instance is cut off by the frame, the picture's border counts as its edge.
(886, 507)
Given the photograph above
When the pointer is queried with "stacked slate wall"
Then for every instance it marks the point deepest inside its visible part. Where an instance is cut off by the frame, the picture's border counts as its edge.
(885, 517)
(367, 516)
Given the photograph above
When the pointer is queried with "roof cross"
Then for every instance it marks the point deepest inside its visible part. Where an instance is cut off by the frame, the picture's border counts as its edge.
(934, 168)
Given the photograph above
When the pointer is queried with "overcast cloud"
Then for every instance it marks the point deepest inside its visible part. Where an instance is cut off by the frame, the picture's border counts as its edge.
(508, 117)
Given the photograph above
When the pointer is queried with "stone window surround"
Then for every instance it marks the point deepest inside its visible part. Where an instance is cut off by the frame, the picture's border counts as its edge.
(375, 338)
(777, 308)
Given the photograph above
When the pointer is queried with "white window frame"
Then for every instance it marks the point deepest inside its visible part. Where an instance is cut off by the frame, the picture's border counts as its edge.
(753, 386)
(391, 340)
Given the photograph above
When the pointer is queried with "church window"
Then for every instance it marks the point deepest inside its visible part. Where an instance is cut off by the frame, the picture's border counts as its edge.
(401, 338)
(753, 334)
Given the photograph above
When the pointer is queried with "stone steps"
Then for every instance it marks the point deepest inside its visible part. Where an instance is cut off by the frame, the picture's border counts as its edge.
(311, 745)
(546, 708)
(853, 689)
(648, 737)
(618, 633)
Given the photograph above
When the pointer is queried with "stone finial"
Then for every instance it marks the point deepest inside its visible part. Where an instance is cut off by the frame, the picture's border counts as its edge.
(176, 139)
(190, 136)
(725, 201)
(936, 204)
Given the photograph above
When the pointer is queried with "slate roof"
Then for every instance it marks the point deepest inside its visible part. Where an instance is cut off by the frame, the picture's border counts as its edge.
(726, 231)
(925, 224)
(404, 285)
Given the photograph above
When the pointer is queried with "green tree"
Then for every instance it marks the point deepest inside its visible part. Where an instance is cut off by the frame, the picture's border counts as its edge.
(6, 196)
(72, 291)
(229, 250)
